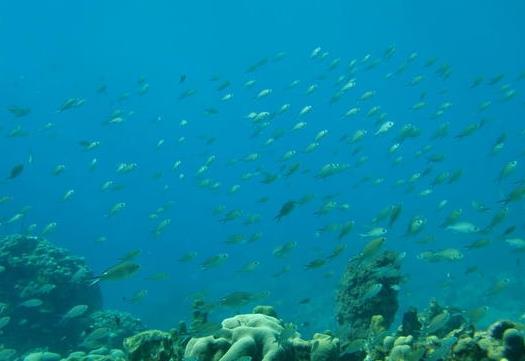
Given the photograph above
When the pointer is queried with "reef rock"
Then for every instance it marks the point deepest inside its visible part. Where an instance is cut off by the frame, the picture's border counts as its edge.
(152, 345)
(109, 328)
(368, 288)
(39, 284)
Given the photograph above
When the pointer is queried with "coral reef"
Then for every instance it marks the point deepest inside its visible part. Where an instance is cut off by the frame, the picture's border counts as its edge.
(368, 287)
(39, 284)
(260, 337)
(152, 345)
(101, 354)
(109, 328)
(439, 334)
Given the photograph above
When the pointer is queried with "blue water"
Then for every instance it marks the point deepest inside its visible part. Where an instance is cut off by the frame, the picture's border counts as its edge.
(56, 50)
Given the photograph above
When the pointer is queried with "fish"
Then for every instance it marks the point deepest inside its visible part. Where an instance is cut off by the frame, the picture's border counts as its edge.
(480, 243)
(131, 255)
(285, 210)
(416, 225)
(19, 111)
(159, 276)
(375, 232)
(284, 249)
(250, 266)
(187, 257)
(49, 228)
(16, 171)
(395, 212)
(372, 291)
(337, 251)
(499, 286)
(463, 227)
(75, 312)
(4, 321)
(346, 228)
(119, 271)
(214, 261)
(515, 195)
(437, 323)
(137, 297)
(315, 263)
(372, 247)
(447, 254)
(115, 209)
(508, 169)
(517, 244)
(32, 303)
(240, 298)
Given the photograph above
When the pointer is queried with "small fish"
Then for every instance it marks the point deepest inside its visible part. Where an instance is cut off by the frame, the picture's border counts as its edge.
(137, 296)
(516, 243)
(130, 256)
(463, 227)
(240, 298)
(49, 228)
(285, 210)
(74, 312)
(515, 195)
(476, 314)
(68, 195)
(159, 276)
(116, 208)
(284, 249)
(385, 127)
(499, 286)
(372, 247)
(437, 323)
(32, 303)
(117, 272)
(19, 111)
(187, 257)
(375, 232)
(214, 261)
(59, 169)
(395, 212)
(16, 171)
(346, 228)
(372, 291)
(507, 170)
(416, 225)
(480, 243)
(337, 251)
(448, 254)
(161, 227)
(250, 266)
(315, 263)
(4, 321)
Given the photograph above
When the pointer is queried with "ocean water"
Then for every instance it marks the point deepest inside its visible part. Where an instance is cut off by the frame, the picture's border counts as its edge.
(148, 54)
